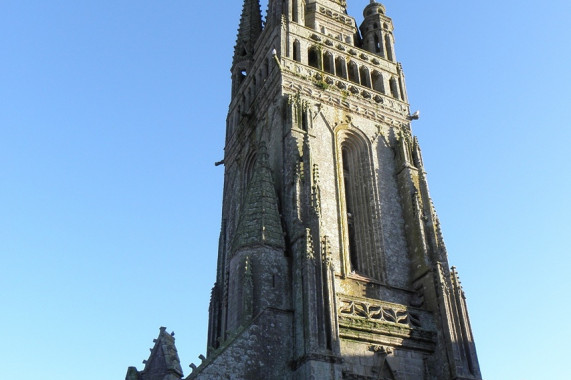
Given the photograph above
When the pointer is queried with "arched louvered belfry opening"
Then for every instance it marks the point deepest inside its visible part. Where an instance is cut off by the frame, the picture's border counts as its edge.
(357, 205)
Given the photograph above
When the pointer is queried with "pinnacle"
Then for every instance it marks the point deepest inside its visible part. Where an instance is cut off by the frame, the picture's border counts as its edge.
(162, 361)
(260, 223)
(249, 30)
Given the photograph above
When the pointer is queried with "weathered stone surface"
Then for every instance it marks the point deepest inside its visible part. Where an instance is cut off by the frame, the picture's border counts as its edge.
(163, 363)
(253, 352)
(331, 263)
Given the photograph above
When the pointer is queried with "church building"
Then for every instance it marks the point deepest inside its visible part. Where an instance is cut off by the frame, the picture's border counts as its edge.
(331, 262)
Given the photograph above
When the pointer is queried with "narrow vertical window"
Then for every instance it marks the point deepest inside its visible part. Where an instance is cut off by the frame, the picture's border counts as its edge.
(313, 57)
(350, 213)
(340, 68)
(378, 82)
(377, 43)
(295, 11)
(365, 77)
(361, 255)
(328, 63)
(389, 48)
(353, 72)
(394, 88)
(296, 51)
(304, 123)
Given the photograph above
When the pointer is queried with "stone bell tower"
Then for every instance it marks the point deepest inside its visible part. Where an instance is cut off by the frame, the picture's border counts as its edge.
(331, 263)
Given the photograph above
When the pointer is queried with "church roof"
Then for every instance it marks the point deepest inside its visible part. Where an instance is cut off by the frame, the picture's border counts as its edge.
(249, 31)
(260, 222)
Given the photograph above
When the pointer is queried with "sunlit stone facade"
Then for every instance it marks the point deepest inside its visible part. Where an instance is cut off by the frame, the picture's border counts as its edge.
(331, 263)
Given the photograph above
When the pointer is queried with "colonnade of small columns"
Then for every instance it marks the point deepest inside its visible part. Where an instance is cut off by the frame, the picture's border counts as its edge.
(347, 69)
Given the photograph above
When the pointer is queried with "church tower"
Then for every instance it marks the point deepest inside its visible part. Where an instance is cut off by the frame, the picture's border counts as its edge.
(331, 263)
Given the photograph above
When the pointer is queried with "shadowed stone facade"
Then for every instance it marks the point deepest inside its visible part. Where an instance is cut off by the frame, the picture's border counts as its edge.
(331, 262)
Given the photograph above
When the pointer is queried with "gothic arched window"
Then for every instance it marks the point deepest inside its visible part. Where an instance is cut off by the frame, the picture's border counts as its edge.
(296, 51)
(389, 47)
(353, 72)
(357, 203)
(328, 63)
(341, 68)
(314, 57)
(295, 15)
(394, 88)
(378, 82)
(365, 77)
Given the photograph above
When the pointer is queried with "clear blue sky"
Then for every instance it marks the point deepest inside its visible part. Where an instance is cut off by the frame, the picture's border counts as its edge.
(112, 114)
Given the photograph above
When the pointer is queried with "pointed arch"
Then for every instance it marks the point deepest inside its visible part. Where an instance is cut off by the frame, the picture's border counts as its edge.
(353, 72)
(328, 63)
(296, 51)
(356, 203)
(295, 11)
(394, 88)
(314, 57)
(365, 76)
(340, 68)
(378, 82)
(389, 47)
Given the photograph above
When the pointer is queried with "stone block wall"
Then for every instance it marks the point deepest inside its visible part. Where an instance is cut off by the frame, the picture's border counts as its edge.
(258, 352)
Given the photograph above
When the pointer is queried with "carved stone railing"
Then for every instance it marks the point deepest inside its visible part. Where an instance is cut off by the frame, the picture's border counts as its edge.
(379, 311)
(377, 322)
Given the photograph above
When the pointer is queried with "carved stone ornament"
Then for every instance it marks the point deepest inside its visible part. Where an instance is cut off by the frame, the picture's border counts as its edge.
(378, 311)
(383, 350)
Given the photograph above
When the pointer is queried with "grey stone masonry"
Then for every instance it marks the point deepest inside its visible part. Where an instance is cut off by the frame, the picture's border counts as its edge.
(163, 363)
(331, 262)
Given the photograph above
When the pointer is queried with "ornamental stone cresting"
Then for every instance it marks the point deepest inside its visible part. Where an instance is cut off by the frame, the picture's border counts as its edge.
(331, 263)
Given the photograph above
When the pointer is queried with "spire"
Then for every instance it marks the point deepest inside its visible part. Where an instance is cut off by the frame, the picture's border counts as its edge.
(249, 31)
(260, 222)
